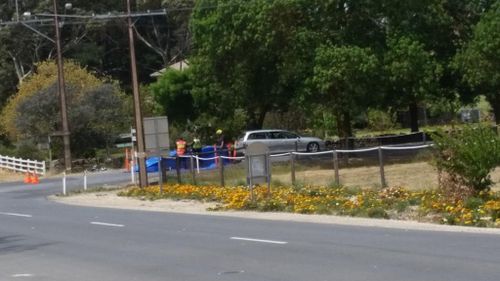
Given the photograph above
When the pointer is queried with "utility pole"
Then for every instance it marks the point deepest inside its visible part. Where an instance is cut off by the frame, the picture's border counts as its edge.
(17, 11)
(141, 155)
(62, 94)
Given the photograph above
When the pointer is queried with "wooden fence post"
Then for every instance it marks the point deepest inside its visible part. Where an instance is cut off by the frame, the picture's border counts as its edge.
(336, 166)
(381, 164)
(191, 168)
(160, 175)
(221, 169)
(178, 168)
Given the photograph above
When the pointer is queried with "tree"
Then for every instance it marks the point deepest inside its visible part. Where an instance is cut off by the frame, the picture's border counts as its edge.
(479, 60)
(241, 50)
(172, 92)
(343, 76)
(96, 108)
(8, 80)
(167, 36)
(413, 74)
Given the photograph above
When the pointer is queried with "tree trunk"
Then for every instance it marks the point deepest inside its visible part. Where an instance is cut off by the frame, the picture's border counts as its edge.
(256, 120)
(413, 108)
(344, 129)
(495, 104)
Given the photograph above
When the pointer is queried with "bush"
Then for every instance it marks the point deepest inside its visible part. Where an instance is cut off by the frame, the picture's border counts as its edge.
(467, 158)
(380, 121)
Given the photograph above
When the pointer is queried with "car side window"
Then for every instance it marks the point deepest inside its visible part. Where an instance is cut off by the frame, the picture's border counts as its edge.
(257, 136)
(277, 135)
(290, 135)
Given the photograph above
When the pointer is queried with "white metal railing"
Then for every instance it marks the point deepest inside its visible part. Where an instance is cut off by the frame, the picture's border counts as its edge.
(22, 165)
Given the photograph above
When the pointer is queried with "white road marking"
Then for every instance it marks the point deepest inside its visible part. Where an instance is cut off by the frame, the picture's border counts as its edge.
(16, 215)
(259, 240)
(22, 275)
(107, 224)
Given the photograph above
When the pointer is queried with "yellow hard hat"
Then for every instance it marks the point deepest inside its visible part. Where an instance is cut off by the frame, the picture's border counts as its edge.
(218, 132)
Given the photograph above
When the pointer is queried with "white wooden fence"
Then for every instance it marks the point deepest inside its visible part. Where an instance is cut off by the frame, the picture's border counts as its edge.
(22, 165)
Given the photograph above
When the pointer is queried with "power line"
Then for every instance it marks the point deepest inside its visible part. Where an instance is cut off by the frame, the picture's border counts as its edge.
(108, 16)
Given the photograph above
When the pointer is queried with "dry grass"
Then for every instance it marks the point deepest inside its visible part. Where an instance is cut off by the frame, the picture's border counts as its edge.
(6, 176)
(413, 176)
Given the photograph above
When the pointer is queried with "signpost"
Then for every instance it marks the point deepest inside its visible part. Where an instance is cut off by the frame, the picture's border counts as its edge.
(157, 136)
(157, 141)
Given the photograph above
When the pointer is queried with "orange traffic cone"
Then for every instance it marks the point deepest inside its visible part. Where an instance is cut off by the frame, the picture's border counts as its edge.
(34, 179)
(27, 178)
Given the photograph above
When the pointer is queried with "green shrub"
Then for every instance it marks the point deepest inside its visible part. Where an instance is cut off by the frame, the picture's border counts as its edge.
(377, 212)
(380, 120)
(473, 203)
(468, 157)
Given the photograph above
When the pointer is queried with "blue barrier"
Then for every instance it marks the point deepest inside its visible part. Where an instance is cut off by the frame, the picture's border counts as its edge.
(184, 162)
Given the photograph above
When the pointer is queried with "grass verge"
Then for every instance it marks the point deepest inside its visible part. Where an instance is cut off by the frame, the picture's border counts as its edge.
(388, 203)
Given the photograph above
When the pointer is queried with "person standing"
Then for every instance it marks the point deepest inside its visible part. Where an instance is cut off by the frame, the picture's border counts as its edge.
(196, 145)
(180, 145)
(220, 139)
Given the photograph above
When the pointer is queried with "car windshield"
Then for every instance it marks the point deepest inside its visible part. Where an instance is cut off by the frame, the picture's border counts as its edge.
(241, 137)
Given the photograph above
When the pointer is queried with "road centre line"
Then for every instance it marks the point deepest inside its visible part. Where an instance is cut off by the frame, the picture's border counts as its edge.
(106, 224)
(16, 215)
(259, 240)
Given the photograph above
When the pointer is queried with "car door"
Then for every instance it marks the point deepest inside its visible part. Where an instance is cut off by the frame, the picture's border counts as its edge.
(257, 137)
(290, 141)
(276, 142)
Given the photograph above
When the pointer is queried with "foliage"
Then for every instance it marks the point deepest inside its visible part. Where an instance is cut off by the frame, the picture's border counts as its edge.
(343, 76)
(380, 121)
(468, 156)
(95, 108)
(250, 58)
(241, 56)
(413, 74)
(8, 84)
(479, 61)
(393, 203)
(172, 92)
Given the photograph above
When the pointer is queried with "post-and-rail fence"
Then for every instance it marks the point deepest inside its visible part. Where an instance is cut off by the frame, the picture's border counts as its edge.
(190, 170)
(22, 165)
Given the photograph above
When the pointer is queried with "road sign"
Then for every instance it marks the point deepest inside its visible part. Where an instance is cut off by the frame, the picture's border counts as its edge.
(122, 145)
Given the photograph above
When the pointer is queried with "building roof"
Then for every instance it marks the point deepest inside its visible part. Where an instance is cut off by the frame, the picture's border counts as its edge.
(180, 65)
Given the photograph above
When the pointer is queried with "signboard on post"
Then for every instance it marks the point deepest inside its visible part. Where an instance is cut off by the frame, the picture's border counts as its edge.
(258, 165)
(156, 136)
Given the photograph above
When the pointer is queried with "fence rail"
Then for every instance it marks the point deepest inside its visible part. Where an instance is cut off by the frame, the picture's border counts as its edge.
(333, 160)
(22, 165)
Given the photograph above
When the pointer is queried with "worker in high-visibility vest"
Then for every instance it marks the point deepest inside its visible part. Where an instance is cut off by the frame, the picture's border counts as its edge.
(220, 139)
(180, 145)
(196, 145)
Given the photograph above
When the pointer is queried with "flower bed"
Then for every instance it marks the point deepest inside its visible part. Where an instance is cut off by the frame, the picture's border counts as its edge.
(389, 203)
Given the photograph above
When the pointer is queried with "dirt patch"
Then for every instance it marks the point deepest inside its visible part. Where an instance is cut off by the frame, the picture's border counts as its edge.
(110, 199)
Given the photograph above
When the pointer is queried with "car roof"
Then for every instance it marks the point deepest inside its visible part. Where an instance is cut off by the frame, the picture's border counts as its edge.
(265, 131)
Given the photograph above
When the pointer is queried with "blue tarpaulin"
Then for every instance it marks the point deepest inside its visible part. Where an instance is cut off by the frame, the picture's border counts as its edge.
(170, 164)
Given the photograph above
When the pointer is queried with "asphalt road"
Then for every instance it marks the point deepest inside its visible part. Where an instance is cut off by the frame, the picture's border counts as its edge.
(45, 240)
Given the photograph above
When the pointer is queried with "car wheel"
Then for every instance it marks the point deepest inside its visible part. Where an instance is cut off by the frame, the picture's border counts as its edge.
(313, 147)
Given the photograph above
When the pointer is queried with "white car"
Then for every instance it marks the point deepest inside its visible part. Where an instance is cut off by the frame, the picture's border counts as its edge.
(280, 141)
